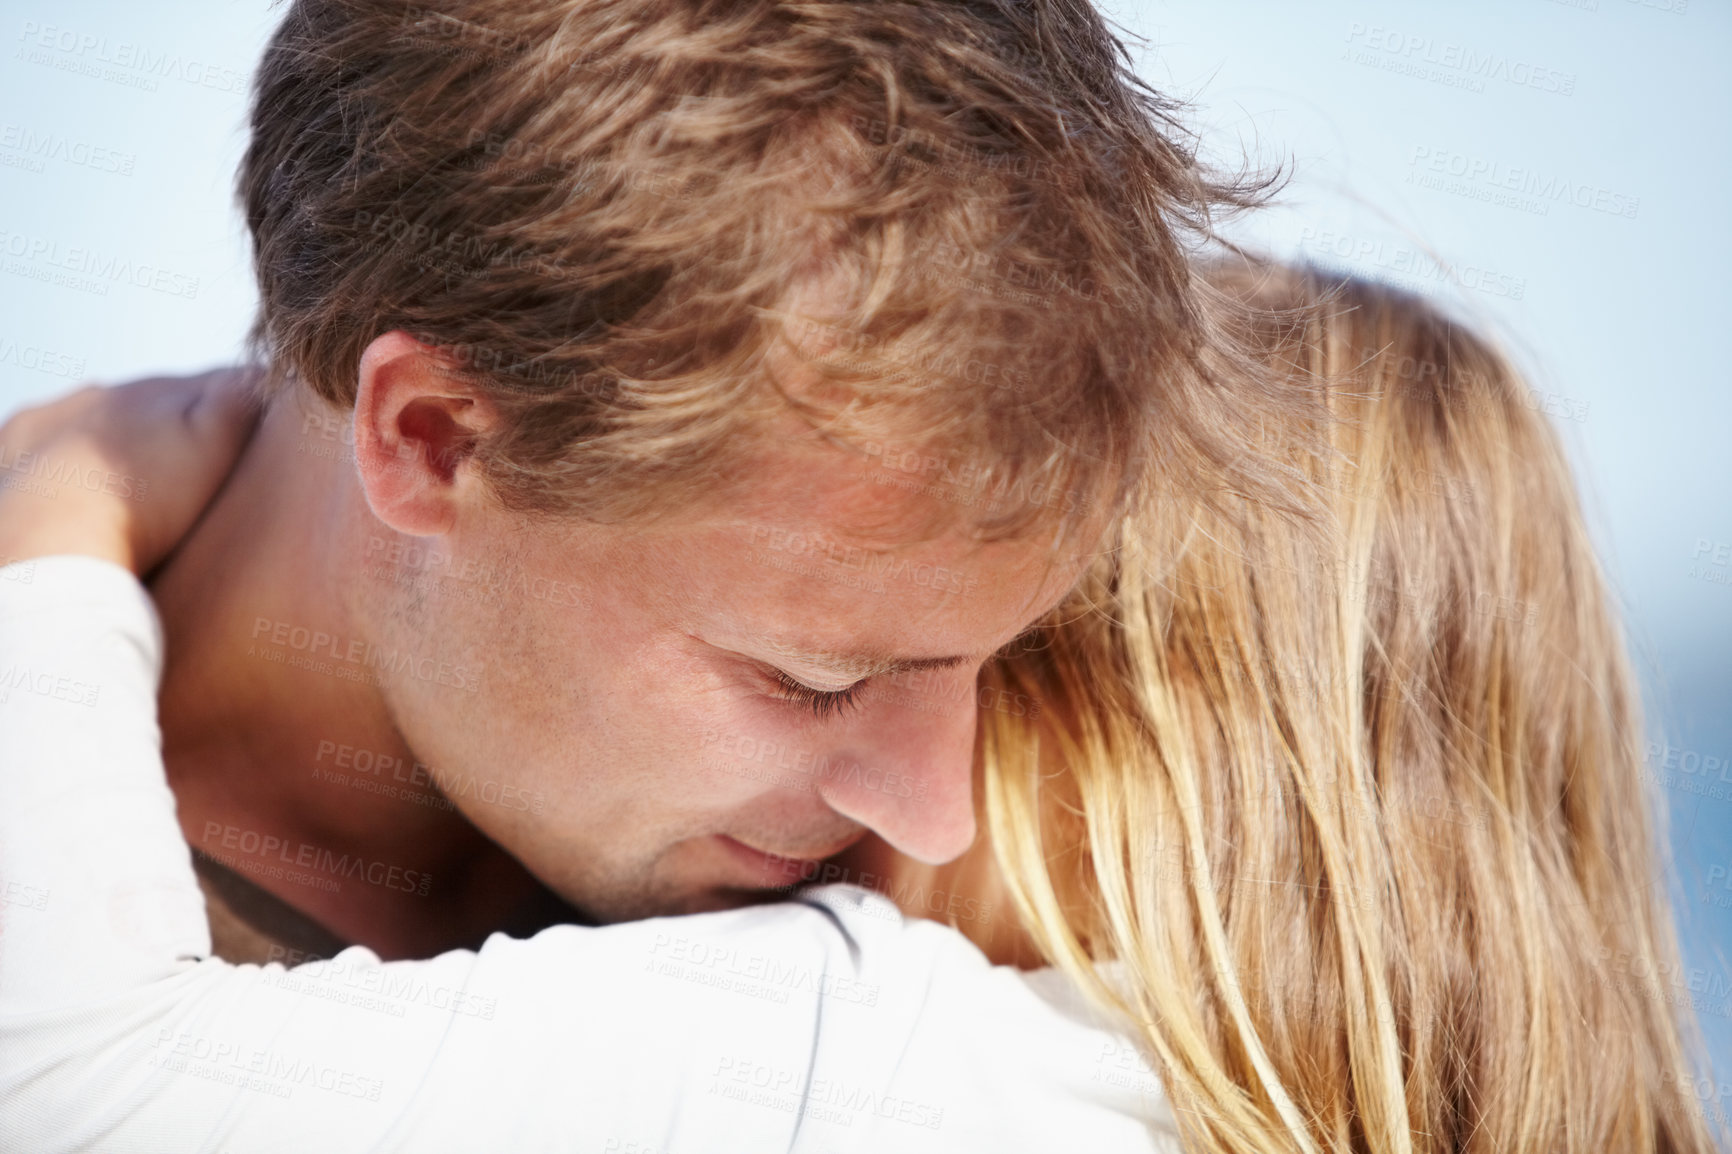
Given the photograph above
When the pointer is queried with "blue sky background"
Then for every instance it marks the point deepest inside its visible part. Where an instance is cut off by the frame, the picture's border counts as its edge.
(1405, 125)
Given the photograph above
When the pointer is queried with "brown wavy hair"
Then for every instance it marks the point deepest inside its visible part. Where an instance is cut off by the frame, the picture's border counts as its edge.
(1358, 817)
(612, 215)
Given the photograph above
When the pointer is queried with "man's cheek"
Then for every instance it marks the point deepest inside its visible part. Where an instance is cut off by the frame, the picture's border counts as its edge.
(766, 752)
(744, 750)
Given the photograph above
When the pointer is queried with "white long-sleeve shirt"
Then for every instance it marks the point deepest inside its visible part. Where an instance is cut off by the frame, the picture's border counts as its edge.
(829, 1023)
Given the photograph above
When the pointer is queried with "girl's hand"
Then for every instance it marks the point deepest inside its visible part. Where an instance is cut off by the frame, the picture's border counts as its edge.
(121, 473)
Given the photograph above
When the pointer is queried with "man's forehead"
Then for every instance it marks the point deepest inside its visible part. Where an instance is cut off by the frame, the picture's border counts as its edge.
(839, 491)
(845, 632)
(819, 567)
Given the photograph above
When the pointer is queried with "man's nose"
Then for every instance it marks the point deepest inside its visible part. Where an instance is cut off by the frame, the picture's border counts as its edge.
(910, 776)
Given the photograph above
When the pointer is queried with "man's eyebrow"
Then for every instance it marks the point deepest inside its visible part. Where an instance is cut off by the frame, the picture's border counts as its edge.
(859, 666)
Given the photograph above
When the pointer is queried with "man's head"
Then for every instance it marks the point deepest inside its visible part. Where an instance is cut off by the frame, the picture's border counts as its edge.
(740, 321)
(781, 665)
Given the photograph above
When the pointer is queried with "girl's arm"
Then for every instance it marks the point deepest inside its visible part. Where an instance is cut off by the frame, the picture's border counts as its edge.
(804, 1025)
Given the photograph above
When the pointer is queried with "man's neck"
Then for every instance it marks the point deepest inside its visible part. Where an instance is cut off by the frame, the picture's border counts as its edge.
(280, 747)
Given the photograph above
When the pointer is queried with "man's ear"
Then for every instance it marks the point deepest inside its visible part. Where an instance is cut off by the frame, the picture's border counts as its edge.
(416, 422)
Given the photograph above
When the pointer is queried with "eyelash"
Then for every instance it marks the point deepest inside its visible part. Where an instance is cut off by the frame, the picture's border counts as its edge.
(823, 702)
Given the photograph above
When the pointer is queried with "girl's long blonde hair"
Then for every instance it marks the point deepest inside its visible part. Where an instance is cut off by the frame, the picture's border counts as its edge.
(1359, 813)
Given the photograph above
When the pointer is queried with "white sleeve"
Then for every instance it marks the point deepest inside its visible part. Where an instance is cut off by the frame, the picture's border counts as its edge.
(824, 1024)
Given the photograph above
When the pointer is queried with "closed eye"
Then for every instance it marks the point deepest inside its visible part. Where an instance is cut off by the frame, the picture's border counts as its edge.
(824, 702)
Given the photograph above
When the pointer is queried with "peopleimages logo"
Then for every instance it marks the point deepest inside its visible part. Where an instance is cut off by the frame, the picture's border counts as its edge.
(1473, 67)
(273, 850)
(1412, 264)
(741, 750)
(23, 572)
(356, 659)
(69, 473)
(40, 360)
(1712, 561)
(1430, 165)
(37, 147)
(251, 1068)
(101, 268)
(46, 683)
(86, 53)
(365, 770)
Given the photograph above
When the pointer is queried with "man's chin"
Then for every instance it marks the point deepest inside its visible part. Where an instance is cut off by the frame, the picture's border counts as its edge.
(698, 901)
(727, 898)
(702, 900)
(696, 876)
